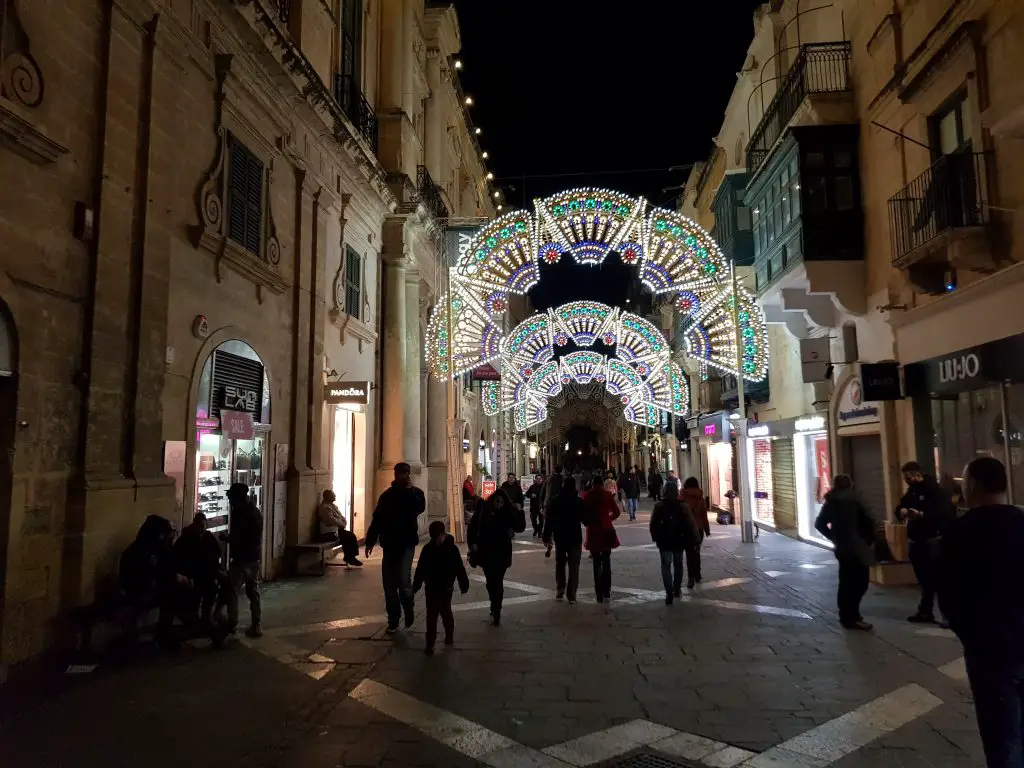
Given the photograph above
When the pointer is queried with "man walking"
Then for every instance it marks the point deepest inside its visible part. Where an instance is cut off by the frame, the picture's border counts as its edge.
(395, 526)
(629, 484)
(927, 510)
(245, 539)
(980, 581)
(563, 523)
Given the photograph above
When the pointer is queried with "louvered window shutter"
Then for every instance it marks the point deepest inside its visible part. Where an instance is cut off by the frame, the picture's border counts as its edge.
(245, 196)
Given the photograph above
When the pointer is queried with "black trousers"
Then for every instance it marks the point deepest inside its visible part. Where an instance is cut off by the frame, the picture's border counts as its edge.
(537, 519)
(924, 557)
(603, 574)
(494, 573)
(439, 604)
(693, 559)
(853, 584)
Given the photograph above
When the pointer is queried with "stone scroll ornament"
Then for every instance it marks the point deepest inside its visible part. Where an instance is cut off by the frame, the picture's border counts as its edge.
(673, 256)
(21, 79)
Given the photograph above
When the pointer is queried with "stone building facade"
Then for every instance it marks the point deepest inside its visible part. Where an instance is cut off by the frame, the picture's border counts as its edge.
(185, 181)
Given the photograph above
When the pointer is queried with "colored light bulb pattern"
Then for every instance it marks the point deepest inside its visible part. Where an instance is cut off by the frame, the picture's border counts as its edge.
(673, 255)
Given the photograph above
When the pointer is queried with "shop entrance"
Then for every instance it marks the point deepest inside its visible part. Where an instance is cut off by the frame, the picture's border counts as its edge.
(232, 430)
(8, 416)
(343, 462)
(862, 456)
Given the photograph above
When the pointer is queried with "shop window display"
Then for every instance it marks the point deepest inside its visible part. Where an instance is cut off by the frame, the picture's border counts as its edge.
(720, 474)
(764, 507)
(813, 481)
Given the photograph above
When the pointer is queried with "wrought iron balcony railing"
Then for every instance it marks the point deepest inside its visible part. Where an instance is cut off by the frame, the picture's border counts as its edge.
(430, 193)
(952, 194)
(356, 108)
(284, 10)
(819, 68)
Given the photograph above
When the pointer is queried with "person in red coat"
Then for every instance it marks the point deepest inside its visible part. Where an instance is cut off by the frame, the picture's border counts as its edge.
(602, 510)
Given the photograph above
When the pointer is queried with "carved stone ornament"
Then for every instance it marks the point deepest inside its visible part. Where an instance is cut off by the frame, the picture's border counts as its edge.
(21, 90)
(21, 80)
(211, 198)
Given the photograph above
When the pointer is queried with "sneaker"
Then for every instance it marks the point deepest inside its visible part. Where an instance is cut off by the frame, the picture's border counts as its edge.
(921, 618)
(689, 584)
(572, 601)
(429, 650)
(943, 624)
(559, 596)
(392, 628)
(449, 640)
(668, 599)
(355, 562)
(254, 631)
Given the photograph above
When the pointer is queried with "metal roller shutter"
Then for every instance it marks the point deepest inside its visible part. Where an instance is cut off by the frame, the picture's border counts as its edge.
(237, 385)
(865, 467)
(784, 483)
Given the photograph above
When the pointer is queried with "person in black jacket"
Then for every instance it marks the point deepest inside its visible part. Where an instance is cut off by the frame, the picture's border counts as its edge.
(513, 490)
(245, 539)
(927, 510)
(395, 524)
(197, 555)
(980, 581)
(563, 523)
(845, 522)
(490, 534)
(149, 576)
(534, 496)
(673, 530)
(439, 566)
(629, 485)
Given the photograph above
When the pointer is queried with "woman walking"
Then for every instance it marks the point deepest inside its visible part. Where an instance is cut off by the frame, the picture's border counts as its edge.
(845, 522)
(565, 515)
(490, 534)
(602, 510)
(673, 530)
(693, 497)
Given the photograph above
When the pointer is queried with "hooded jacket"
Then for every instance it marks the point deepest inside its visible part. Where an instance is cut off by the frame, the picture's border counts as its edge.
(845, 522)
(672, 526)
(491, 531)
(395, 518)
(439, 567)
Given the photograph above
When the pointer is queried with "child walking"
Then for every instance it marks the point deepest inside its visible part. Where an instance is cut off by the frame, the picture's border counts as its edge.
(439, 566)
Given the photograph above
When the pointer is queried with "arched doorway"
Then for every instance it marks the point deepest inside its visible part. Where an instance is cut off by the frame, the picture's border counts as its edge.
(8, 420)
(230, 440)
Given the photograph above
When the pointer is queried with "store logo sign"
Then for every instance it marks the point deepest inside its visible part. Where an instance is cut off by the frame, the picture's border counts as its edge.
(347, 393)
(238, 399)
(236, 425)
(959, 368)
(710, 430)
(810, 424)
(759, 431)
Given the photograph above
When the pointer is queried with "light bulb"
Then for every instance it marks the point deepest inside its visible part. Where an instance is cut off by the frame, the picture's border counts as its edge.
(469, 101)
(499, 207)
(458, 63)
(497, 194)
(485, 154)
(490, 176)
(477, 131)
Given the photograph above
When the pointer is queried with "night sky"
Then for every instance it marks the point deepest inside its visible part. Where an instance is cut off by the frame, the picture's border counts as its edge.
(610, 90)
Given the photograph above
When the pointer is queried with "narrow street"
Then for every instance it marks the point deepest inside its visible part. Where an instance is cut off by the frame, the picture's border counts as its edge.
(751, 669)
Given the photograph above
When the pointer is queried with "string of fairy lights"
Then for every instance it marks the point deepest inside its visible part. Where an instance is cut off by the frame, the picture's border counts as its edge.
(674, 256)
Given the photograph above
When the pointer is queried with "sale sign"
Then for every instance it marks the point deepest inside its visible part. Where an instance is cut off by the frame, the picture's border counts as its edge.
(487, 488)
(824, 467)
(236, 425)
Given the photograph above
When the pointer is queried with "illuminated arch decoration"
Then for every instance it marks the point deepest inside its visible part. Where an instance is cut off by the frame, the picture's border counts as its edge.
(673, 255)
(638, 374)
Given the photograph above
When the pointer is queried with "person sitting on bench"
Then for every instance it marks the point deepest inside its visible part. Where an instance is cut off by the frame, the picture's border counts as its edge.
(332, 527)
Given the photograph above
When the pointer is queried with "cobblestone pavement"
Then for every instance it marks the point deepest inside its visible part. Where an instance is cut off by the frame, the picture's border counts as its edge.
(751, 670)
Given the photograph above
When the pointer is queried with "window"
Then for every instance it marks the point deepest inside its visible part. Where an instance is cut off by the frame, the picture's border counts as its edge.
(817, 199)
(949, 130)
(351, 40)
(784, 189)
(245, 196)
(758, 229)
(794, 188)
(769, 203)
(353, 283)
(777, 192)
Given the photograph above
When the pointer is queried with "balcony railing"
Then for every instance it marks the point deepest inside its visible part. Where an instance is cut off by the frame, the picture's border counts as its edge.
(284, 10)
(356, 108)
(819, 68)
(430, 193)
(949, 195)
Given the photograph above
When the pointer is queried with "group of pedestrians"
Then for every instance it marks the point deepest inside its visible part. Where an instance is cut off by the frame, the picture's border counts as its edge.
(183, 576)
(679, 525)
